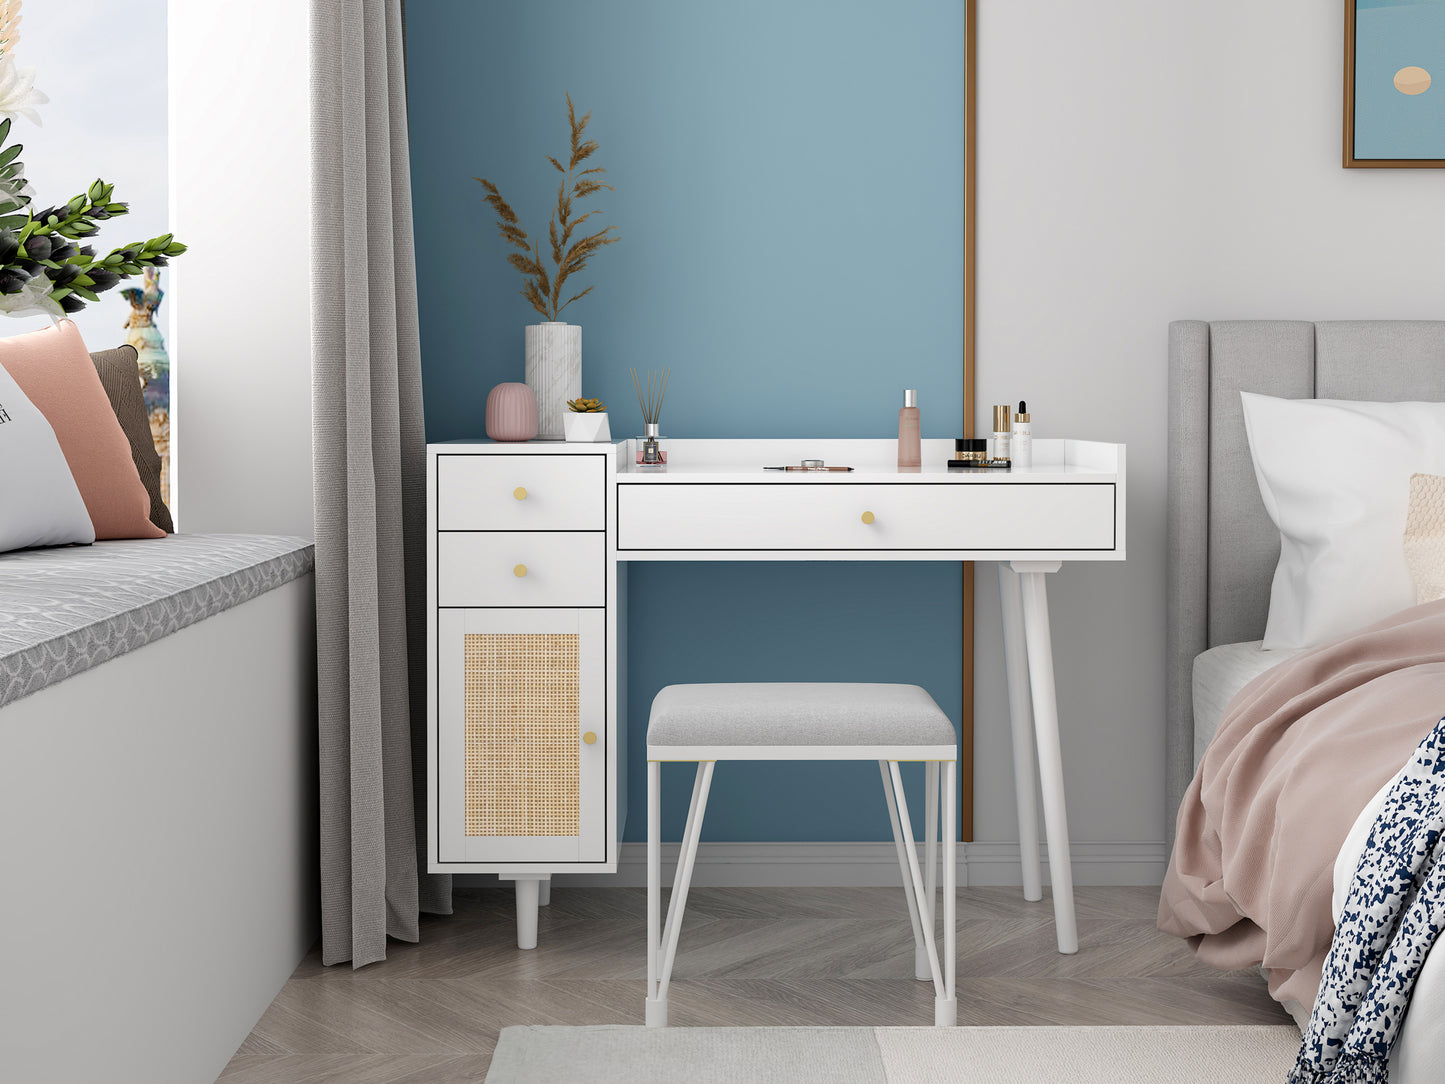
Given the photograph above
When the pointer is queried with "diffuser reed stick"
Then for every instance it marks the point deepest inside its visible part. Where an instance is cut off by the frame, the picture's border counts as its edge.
(651, 453)
(651, 404)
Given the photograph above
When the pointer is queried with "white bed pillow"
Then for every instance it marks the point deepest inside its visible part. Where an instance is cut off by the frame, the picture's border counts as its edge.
(1335, 478)
(39, 502)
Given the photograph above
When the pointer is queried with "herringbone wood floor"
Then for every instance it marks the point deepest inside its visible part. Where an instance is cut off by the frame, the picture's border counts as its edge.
(431, 1012)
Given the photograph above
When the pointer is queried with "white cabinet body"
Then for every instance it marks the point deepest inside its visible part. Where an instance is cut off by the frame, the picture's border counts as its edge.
(523, 608)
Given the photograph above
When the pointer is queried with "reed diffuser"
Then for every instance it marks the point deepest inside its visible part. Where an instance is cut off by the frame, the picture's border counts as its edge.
(651, 451)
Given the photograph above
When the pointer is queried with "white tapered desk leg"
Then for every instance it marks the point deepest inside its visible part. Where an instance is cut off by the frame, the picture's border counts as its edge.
(1021, 718)
(1046, 732)
(544, 892)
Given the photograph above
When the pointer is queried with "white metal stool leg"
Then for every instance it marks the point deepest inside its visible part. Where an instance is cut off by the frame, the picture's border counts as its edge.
(926, 911)
(919, 952)
(656, 1011)
(945, 1008)
(944, 1005)
(658, 978)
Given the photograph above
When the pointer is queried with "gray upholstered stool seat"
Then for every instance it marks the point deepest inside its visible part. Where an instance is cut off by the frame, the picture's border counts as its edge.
(786, 713)
(809, 721)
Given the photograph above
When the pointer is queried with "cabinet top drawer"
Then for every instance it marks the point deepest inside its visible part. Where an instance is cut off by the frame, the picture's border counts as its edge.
(521, 492)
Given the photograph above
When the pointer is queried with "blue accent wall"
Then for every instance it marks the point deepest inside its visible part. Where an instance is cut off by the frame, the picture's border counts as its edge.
(789, 196)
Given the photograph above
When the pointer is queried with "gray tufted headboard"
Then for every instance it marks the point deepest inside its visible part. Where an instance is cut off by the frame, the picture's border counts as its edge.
(1222, 545)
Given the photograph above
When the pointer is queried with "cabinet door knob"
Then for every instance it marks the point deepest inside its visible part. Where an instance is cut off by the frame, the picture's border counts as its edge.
(590, 737)
(519, 571)
(867, 517)
(520, 493)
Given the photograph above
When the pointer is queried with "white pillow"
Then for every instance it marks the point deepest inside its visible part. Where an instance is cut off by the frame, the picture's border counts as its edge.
(1335, 478)
(39, 503)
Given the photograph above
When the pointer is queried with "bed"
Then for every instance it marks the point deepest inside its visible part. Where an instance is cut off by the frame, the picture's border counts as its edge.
(1223, 547)
(157, 801)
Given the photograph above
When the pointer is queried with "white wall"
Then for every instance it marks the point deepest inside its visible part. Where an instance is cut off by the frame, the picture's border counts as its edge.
(1142, 162)
(241, 326)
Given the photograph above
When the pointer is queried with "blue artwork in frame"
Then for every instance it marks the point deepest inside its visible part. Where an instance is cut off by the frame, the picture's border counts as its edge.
(1394, 83)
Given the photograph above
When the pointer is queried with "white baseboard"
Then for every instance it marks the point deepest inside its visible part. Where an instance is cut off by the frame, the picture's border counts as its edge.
(863, 865)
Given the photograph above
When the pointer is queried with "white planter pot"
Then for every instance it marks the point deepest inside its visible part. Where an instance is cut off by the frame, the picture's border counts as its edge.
(590, 428)
(554, 373)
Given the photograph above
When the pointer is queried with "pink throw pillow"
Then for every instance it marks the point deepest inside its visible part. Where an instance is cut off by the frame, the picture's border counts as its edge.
(54, 370)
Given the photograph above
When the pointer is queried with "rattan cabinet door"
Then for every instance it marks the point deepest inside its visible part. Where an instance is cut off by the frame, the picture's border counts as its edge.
(521, 736)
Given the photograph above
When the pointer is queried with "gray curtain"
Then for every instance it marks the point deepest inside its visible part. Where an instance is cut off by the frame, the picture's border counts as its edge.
(370, 487)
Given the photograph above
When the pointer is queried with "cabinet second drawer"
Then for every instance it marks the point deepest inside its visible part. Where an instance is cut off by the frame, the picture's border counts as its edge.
(521, 568)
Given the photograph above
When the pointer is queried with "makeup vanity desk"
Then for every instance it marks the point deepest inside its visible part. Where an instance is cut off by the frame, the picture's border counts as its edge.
(528, 547)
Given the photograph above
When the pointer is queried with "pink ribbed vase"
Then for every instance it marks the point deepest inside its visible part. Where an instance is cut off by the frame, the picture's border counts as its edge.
(511, 412)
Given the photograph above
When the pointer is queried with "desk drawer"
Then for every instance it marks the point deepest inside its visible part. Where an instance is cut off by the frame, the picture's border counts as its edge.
(558, 492)
(829, 516)
(478, 568)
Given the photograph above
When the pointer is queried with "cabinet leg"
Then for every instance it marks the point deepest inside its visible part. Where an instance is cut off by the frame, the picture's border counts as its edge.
(544, 892)
(1051, 767)
(527, 892)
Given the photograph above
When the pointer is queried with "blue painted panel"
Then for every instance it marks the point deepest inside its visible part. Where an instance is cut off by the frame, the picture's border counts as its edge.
(789, 194)
(1388, 122)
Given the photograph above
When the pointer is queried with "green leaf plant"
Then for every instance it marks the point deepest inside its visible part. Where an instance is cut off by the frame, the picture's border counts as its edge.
(45, 262)
(541, 287)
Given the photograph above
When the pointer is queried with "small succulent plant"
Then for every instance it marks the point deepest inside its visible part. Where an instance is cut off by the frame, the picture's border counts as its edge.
(586, 406)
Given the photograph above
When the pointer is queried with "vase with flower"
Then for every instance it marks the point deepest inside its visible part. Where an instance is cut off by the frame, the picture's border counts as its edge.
(554, 347)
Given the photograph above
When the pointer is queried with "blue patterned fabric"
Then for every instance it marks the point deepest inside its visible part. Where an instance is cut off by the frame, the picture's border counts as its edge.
(68, 608)
(1391, 918)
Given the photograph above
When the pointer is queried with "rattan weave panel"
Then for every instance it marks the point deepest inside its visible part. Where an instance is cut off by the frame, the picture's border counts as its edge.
(521, 734)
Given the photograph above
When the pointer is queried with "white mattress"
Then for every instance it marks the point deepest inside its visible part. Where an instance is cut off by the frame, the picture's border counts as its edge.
(1219, 674)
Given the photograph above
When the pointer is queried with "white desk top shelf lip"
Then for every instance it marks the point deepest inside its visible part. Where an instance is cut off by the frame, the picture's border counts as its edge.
(700, 460)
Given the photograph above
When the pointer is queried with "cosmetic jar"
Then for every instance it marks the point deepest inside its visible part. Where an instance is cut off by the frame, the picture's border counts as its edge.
(968, 451)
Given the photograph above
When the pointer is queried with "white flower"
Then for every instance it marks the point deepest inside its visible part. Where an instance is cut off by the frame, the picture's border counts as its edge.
(18, 95)
(33, 297)
(15, 194)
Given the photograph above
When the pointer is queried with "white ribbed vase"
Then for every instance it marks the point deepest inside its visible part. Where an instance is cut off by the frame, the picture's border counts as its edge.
(554, 372)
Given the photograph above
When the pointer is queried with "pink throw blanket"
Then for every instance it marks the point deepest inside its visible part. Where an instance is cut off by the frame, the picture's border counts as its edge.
(1299, 753)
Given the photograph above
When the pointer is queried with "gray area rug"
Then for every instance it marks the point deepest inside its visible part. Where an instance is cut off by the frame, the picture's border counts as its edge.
(996, 1055)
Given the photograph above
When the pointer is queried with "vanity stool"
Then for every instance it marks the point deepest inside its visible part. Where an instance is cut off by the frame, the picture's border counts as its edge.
(807, 721)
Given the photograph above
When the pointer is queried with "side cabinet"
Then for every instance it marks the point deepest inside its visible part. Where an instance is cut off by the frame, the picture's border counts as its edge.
(522, 594)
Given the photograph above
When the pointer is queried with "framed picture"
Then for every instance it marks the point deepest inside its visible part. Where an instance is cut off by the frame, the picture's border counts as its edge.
(1394, 84)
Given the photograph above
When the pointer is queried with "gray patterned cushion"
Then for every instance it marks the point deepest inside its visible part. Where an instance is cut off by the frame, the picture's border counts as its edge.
(66, 609)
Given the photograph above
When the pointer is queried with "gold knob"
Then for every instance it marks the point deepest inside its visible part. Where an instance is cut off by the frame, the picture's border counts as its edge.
(520, 493)
(590, 737)
(867, 517)
(519, 571)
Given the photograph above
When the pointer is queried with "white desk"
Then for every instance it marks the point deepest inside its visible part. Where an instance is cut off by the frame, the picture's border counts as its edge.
(529, 546)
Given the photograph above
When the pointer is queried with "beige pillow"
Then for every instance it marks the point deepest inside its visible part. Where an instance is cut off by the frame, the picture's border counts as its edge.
(1425, 536)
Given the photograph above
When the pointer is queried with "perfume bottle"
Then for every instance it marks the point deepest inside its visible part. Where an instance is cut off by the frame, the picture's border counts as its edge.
(910, 453)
